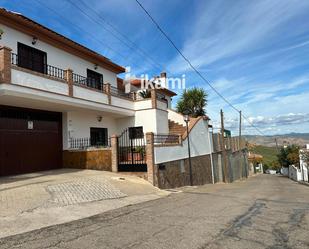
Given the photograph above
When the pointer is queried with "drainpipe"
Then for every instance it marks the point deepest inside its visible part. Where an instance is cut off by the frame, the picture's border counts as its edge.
(211, 159)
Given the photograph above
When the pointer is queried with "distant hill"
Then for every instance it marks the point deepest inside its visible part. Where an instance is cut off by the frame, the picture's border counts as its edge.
(300, 139)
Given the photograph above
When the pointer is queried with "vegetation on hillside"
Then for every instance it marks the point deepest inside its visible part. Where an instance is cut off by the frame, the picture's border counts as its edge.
(273, 159)
(270, 159)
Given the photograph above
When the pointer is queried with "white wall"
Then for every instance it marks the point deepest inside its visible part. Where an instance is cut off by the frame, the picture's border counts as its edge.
(30, 80)
(294, 173)
(162, 122)
(176, 117)
(303, 166)
(84, 93)
(142, 104)
(199, 144)
(121, 102)
(55, 56)
(161, 105)
(77, 125)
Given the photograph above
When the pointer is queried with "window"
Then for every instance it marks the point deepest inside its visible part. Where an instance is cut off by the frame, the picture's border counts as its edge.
(136, 132)
(98, 137)
(94, 79)
(31, 58)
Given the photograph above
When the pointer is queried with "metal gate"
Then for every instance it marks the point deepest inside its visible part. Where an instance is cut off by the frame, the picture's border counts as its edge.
(131, 151)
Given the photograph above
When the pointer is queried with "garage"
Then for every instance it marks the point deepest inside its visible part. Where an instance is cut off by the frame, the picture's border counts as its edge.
(30, 140)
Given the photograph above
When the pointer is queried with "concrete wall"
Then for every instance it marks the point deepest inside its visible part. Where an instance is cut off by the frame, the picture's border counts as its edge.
(99, 159)
(29, 80)
(176, 117)
(199, 143)
(77, 125)
(176, 173)
(295, 173)
(238, 165)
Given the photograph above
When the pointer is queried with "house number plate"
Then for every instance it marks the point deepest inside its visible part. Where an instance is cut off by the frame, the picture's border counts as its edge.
(30, 125)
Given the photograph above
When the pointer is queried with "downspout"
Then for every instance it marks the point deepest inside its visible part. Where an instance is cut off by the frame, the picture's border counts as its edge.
(211, 159)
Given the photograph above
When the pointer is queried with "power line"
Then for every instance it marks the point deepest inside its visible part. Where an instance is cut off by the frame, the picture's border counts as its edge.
(80, 29)
(194, 69)
(124, 41)
(126, 38)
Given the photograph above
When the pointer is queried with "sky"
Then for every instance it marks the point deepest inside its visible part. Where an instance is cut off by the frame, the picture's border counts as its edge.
(255, 53)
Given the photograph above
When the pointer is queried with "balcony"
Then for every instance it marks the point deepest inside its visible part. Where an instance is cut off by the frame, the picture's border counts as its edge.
(46, 69)
(55, 73)
(30, 76)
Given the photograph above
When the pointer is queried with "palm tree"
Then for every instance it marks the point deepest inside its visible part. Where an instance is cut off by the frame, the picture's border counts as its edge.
(193, 102)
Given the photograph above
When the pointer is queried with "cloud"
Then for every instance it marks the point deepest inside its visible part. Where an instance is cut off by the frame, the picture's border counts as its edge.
(224, 29)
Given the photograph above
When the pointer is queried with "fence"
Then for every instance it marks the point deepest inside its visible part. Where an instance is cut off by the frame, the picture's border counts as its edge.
(230, 143)
(84, 143)
(49, 70)
(87, 82)
(120, 93)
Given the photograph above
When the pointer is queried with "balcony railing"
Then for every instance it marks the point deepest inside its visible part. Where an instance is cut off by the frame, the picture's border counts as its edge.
(87, 82)
(84, 143)
(59, 73)
(117, 92)
(164, 139)
(37, 67)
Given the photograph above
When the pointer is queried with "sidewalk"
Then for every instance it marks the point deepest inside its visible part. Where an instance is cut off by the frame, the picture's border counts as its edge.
(37, 200)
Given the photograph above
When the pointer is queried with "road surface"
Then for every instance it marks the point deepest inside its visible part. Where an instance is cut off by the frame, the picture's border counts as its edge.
(262, 212)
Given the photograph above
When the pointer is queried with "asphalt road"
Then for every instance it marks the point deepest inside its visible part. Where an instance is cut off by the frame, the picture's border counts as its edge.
(262, 212)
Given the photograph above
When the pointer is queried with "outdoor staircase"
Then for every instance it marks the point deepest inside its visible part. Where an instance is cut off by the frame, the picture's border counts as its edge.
(175, 128)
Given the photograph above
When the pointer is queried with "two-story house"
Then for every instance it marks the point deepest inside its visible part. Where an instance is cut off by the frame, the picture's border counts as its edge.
(56, 94)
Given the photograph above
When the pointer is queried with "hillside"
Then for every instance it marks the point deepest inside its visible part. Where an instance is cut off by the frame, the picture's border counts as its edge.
(269, 153)
(300, 139)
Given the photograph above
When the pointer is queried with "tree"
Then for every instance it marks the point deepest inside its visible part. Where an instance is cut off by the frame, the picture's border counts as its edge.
(193, 102)
(289, 155)
(145, 94)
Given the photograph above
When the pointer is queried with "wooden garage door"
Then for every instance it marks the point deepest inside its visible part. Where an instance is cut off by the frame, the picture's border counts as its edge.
(30, 140)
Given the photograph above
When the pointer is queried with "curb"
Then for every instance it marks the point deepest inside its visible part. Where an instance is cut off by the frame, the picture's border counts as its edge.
(304, 183)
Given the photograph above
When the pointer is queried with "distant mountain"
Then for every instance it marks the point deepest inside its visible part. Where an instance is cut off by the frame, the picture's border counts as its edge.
(301, 139)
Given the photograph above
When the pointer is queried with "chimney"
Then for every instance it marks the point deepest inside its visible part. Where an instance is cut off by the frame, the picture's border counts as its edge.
(163, 75)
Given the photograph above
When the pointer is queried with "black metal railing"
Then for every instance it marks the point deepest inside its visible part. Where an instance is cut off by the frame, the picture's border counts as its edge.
(84, 143)
(161, 139)
(87, 82)
(38, 67)
(117, 92)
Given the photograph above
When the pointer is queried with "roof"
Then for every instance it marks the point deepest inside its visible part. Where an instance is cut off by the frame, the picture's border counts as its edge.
(27, 25)
(137, 83)
(253, 156)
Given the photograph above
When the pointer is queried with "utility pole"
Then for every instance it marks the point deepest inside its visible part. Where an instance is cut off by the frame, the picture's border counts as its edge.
(225, 166)
(239, 142)
(277, 145)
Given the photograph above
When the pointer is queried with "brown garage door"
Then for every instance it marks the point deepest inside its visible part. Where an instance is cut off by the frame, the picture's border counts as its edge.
(30, 140)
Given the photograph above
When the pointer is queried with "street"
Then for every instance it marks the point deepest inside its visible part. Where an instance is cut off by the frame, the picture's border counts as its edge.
(261, 212)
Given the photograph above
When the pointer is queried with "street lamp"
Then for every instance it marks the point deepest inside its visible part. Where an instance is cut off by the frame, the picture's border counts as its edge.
(186, 118)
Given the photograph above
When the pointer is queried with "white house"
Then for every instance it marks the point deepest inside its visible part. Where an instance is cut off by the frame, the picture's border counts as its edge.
(56, 95)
